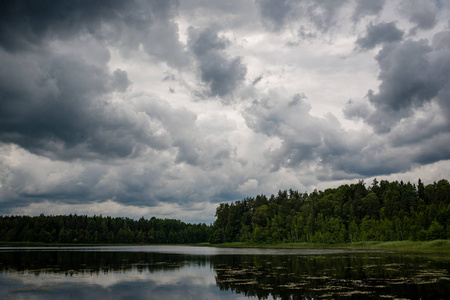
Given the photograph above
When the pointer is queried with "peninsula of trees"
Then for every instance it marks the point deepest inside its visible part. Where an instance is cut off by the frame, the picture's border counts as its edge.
(382, 211)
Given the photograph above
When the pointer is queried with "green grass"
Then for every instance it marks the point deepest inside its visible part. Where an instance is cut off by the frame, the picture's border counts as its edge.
(412, 246)
(409, 246)
(436, 245)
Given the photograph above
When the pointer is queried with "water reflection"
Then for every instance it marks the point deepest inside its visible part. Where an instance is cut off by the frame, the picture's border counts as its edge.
(356, 276)
(180, 273)
(186, 283)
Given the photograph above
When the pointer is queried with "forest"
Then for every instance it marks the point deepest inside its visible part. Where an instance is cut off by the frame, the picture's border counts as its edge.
(381, 211)
(73, 229)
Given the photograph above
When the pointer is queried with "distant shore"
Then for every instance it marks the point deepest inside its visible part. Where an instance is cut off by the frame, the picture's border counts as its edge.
(407, 246)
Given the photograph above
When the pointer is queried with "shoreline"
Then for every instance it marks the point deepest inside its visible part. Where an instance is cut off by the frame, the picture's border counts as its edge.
(435, 246)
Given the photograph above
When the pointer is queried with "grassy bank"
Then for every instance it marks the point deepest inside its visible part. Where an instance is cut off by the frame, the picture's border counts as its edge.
(413, 246)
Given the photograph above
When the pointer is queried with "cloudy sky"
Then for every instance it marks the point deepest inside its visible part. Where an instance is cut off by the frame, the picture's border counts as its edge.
(166, 108)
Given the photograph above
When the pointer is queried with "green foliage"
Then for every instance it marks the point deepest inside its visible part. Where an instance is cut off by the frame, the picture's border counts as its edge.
(384, 211)
(100, 230)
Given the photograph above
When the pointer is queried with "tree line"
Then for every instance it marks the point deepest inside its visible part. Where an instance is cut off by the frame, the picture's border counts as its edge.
(383, 211)
(100, 230)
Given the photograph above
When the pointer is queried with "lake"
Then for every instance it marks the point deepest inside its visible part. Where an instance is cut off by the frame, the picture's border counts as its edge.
(184, 272)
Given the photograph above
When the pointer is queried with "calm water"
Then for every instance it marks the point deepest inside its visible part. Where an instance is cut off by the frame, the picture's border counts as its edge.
(176, 272)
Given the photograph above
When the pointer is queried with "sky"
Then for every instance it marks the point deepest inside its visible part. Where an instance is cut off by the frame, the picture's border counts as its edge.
(167, 108)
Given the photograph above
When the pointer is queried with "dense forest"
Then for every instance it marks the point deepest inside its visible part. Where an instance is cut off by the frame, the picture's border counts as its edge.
(100, 230)
(383, 211)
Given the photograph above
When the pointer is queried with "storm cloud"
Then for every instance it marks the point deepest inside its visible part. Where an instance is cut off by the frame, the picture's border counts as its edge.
(367, 8)
(421, 13)
(221, 73)
(167, 108)
(412, 76)
(26, 25)
(275, 13)
(378, 34)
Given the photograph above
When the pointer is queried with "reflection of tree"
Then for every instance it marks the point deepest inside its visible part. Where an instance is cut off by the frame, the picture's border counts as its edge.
(94, 261)
(334, 277)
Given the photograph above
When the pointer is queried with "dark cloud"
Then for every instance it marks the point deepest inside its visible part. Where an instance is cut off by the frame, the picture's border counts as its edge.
(203, 42)
(441, 40)
(440, 60)
(410, 111)
(374, 159)
(168, 149)
(59, 107)
(436, 149)
(29, 25)
(367, 155)
(355, 110)
(275, 12)
(432, 122)
(56, 101)
(120, 81)
(221, 73)
(367, 8)
(378, 34)
(29, 99)
(412, 74)
(419, 131)
(421, 13)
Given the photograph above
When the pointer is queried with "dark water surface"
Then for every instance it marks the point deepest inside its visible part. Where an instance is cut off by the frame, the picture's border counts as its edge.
(178, 272)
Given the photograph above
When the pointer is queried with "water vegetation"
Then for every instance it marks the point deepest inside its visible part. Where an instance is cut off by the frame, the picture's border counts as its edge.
(363, 275)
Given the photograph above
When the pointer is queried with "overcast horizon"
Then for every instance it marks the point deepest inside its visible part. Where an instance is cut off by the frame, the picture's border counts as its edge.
(168, 108)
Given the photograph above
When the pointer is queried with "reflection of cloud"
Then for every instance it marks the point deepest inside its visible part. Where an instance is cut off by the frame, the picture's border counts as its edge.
(187, 275)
